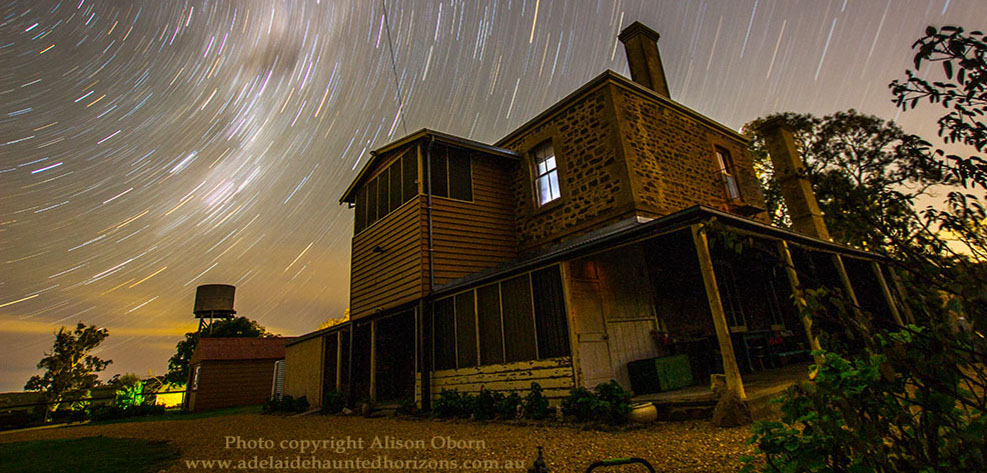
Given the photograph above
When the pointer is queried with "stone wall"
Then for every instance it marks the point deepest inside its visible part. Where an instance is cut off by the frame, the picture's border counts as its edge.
(592, 176)
(671, 157)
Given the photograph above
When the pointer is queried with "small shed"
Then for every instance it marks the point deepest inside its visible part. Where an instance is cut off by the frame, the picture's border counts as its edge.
(230, 372)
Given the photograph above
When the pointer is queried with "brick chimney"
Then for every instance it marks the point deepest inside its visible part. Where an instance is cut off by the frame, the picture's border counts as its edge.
(641, 46)
(790, 175)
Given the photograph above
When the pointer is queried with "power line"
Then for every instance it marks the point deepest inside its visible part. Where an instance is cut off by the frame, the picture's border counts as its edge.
(394, 69)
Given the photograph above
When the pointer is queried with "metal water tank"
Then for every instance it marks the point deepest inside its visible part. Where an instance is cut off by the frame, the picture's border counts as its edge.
(214, 300)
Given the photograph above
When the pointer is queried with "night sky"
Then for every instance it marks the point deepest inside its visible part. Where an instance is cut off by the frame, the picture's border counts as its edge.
(149, 147)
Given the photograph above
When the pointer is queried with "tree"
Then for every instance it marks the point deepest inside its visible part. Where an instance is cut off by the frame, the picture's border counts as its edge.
(866, 173)
(965, 93)
(235, 327)
(71, 371)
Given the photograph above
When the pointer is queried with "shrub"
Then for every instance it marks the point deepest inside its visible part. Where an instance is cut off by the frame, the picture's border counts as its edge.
(452, 403)
(507, 408)
(535, 403)
(332, 402)
(286, 404)
(116, 412)
(485, 406)
(581, 404)
(408, 407)
(614, 402)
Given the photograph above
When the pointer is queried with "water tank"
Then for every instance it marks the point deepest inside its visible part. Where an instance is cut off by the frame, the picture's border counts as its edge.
(214, 300)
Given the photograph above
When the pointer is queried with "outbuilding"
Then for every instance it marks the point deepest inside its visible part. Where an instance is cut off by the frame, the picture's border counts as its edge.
(230, 372)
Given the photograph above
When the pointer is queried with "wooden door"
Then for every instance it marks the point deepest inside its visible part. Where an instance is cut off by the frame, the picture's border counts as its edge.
(592, 341)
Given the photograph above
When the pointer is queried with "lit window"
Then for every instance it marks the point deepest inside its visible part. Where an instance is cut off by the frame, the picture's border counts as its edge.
(547, 176)
(726, 169)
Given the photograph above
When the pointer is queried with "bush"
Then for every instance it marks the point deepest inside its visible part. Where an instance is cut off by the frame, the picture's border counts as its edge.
(101, 413)
(581, 404)
(614, 402)
(19, 419)
(535, 403)
(910, 403)
(286, 405)
(507, 408)
(608, 403)
(332, 402)
(452, 403)
(485, 406)
(408, 407)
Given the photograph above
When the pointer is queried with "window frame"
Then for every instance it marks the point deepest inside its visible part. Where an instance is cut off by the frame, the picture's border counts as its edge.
(728, 173)
(447, 171)
(537, 175)
(398, 169)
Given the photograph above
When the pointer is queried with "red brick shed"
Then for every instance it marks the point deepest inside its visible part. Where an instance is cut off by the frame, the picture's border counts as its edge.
(230, 372)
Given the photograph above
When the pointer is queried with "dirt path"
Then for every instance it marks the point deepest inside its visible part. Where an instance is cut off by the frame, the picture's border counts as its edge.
(390, 444)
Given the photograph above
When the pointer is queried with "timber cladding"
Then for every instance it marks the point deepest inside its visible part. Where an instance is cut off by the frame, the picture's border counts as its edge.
(387, 260)
(232, 383)
(303, 370)
(592, 175)
(469, 237)
(554, 375)
(671, 160)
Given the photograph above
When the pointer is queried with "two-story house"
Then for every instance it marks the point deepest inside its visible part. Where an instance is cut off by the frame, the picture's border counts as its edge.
(575, 245)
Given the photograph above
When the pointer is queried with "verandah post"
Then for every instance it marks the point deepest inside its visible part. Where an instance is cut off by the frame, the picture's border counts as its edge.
(730, 369)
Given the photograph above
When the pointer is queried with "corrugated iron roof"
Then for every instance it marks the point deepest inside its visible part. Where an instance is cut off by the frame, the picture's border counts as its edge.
(216, 349)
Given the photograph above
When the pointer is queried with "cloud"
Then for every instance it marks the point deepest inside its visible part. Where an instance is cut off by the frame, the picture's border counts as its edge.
(10, 325)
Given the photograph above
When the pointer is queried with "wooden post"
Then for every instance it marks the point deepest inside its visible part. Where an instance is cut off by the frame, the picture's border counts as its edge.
(339, 359)
(903, 295)
(730, 368)
(838, 262)
(793, 280)
(373, 360)
(887, 294)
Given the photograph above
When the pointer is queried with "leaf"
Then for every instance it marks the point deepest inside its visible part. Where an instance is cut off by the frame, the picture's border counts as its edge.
(948, 67)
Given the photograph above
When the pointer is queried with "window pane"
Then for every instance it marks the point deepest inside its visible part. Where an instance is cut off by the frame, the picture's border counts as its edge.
(488, 318)
(550, 163)
(465, 330)
(438, 171)
(553, 185)
(360, 220)
(460, 179)
(444, 329)
(382, 199)
(550, 319)
(519, 329)
(372, 202)
(394, 189)
(409, 172)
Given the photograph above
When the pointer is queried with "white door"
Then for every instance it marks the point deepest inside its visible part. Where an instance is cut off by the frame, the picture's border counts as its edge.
(591, 333)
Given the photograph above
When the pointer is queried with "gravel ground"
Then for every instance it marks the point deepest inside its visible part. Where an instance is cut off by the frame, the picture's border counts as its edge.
(692, 446)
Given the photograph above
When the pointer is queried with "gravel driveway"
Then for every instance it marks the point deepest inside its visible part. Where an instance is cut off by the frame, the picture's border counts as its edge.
(317, 443)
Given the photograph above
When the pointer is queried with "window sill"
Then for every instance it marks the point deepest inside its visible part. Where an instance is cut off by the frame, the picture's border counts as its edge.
(546, 208)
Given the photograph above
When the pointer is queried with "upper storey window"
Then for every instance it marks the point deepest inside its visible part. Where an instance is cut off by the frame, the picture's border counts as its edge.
(450, 172)
(725, 162)
(386, 192)
(546, 174)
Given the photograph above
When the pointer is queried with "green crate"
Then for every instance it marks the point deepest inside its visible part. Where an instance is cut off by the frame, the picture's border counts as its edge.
(654, 375)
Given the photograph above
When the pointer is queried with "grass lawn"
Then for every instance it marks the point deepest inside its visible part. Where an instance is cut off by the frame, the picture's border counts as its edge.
(102, 454)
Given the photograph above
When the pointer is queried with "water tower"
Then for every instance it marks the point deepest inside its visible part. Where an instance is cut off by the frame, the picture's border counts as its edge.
(213, 301)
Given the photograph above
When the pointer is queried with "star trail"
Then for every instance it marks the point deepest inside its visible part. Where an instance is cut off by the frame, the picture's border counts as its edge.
(149, 147)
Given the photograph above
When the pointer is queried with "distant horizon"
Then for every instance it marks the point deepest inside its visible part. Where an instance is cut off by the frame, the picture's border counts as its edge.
(150, 149)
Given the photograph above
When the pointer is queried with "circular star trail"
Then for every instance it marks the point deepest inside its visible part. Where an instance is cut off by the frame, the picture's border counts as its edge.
(149, 147)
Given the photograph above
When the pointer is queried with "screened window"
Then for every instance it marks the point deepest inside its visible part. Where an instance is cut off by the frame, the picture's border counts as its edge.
(550, 321)
(546, 174)
(725, 163)
(444, 332)
(488, 321)
(519, 319)
(386, 192)
(451, 172)
(519, 328)
(465, 330)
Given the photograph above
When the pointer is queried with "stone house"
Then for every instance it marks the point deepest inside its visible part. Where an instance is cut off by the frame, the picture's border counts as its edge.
(573, 247)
